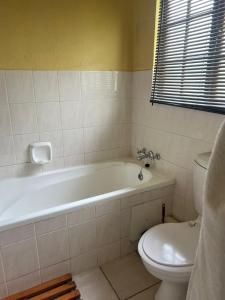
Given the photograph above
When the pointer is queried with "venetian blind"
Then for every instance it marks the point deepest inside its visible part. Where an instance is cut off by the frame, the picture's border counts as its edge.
(189, 66)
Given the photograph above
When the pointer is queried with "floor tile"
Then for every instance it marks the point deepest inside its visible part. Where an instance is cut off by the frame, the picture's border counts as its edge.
(128, 276)
(146, 294)
(94, 286)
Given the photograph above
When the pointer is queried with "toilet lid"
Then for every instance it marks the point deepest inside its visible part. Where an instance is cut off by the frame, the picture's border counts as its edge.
(172, 244)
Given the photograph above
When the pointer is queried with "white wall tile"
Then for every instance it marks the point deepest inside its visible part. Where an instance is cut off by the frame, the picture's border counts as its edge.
(180, 174)
(49, 225)
(100, 112)
(73, 141)
(125, 84)
(55, 271)
(3, 93)
(99, 85)
(26, 169)
(3, 291)
(74, 160)
(19, 86)
(56, 139)
(57, 163)
(125, 219)
(108, 229)
(55, 242)
(131, 200)
(16, 234)
(126, 107)
(107, 207)
(157, 193)
(17, 264)
(69, 86)
(99, 156)
(81, 215)
(179, 207)
(102, 138)
(72, 114)
(22, 143)
(82, 238)
(7, 155)
(108, 253)
(24, 282)
(96, 138)
(5, 124)
(2, 277)
(84, 262)
(127, 247)
(46, 86)
(24, 118)
(105, 102)
(48, 116)
(141, 85)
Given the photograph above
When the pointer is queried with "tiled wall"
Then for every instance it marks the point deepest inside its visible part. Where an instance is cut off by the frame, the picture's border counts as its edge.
(86, 237)
(85, 115)
(178, 134)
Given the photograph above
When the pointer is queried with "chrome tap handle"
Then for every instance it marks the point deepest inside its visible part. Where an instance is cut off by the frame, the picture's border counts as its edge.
(143, 150)
(144, 154)
(157, 156)
(151, 155)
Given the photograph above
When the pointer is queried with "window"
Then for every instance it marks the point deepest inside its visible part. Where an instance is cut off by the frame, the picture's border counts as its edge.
(189, 66)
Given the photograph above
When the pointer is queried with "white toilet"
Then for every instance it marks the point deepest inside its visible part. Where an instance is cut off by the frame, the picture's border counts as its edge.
(168, 250)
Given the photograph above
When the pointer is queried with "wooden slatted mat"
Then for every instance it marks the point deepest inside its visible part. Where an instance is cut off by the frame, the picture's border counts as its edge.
(60, 288)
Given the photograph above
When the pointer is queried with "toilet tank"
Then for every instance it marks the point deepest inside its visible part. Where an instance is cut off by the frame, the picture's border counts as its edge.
(199, 175)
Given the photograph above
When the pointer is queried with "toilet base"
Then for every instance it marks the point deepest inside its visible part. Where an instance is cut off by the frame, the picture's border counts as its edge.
(172, 291)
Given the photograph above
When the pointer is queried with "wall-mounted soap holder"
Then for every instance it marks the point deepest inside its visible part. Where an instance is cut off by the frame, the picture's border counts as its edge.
(41, 153)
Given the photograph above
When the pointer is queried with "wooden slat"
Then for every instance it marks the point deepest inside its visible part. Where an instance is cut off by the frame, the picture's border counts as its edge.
(55, 293)
(74, 295)
(41, 288)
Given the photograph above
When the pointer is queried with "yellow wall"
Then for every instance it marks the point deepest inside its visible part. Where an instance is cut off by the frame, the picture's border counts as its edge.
(143, 41)
(76, 34)
(66, 34)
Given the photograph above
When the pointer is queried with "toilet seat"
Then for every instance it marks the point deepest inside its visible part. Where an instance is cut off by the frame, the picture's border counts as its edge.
(172, 244)
(163, 271)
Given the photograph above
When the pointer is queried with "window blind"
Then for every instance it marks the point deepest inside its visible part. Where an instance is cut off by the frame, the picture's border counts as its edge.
(189, 66)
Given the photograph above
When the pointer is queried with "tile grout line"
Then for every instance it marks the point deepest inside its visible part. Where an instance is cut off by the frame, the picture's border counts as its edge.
(10, 118)
(135, 294)
(147, 288)
(100, 268)
(4, 273)
(36, 112)
(37, 249)
(60, 117)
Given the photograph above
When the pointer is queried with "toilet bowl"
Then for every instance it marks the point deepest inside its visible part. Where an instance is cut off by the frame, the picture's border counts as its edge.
(168, 250)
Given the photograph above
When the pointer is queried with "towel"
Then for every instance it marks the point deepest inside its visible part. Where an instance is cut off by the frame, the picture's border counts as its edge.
(207, 280)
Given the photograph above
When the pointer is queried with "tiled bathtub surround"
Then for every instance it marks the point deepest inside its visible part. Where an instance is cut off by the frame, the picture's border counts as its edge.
(86, 237)
(178, 134)
(85, 115)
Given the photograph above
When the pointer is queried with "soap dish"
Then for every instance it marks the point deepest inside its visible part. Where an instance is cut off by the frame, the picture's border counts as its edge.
(41, 153)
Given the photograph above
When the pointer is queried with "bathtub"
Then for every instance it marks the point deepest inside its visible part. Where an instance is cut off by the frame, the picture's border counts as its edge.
(75, 219)
(31, 199)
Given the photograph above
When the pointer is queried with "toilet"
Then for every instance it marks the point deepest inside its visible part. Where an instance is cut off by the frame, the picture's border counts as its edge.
(168, 250)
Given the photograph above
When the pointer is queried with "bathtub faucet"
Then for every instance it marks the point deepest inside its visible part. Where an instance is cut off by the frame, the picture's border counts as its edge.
(144, 154)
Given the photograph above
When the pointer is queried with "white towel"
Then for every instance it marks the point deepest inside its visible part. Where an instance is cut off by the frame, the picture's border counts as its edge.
(208, 275)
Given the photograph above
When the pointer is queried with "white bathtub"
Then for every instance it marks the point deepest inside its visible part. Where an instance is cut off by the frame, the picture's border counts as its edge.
(30, 199)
